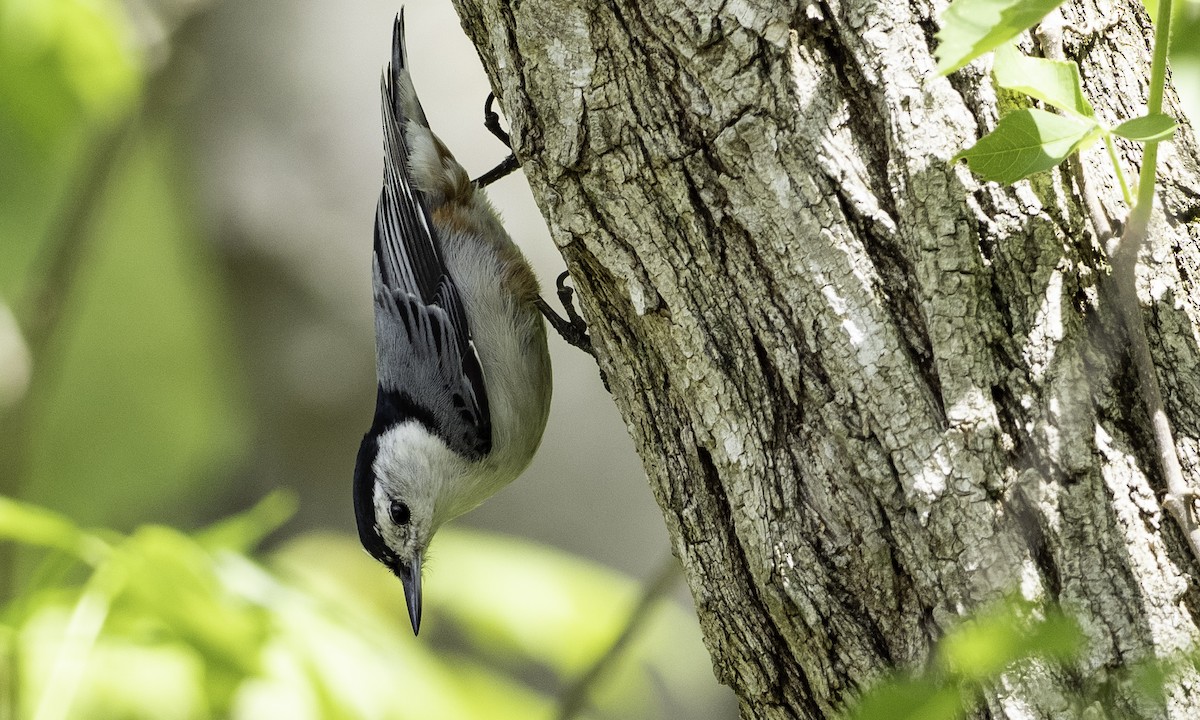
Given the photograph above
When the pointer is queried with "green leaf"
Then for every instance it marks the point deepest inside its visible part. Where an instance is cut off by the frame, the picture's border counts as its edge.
(498, 587)
(244, 531)
(982, 648)
(329, 659)
(910, 699)
(64, 59)
(510, 597)
(512, 603)
(119, 677)
(1150, 677)
(174, 580)
(1054, 82)
(1027, 142)
(131, 679)
(1147, 128)
(972, 27)
(38, 526)
(1057, 637)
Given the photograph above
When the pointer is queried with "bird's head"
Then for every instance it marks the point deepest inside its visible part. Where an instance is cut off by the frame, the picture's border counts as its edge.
(399, 479)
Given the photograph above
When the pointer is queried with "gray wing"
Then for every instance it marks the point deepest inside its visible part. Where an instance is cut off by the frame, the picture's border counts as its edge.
(426, 362)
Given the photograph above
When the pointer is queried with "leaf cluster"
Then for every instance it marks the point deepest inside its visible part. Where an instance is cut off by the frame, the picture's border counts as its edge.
(161, 623)
(1029, 140)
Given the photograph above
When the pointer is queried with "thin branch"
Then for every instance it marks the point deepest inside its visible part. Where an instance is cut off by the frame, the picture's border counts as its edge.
(1179, 497)
(1124, 255)
(575, 698)
(1116, 163)
(1120, 291)
(1120, 287)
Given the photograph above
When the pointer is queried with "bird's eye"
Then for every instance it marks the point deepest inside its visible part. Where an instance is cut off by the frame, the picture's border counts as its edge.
(400, 513)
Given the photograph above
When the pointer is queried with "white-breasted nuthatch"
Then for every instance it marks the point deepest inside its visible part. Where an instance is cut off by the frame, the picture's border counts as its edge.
(460, 348)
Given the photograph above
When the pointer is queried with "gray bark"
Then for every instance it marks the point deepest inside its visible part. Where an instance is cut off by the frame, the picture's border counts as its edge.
(872, 393)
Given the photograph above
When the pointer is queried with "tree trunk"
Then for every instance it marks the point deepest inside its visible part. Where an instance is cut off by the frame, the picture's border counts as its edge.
(872, 393)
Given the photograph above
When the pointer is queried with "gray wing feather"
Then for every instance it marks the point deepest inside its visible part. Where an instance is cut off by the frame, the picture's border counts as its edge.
(423, 342)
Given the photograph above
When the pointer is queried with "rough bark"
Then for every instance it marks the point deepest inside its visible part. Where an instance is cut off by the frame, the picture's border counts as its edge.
(872, 393)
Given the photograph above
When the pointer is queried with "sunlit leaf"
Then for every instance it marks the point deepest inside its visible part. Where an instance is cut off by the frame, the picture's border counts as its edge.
(910, 699)
(343, 646)
(65, 60)
(982, 648)
(511, 597)
(1147, 128)
(972, 27)
(129, 678)
(548, 606)
(1056, 637)
(666, 665)
(1055, 82)
(1150, 678)
(119, 677)
(173, 579)
(33, 525)
(1027, 142)
(521, 602)
(244, 531)
(192, 632)
(520, 605)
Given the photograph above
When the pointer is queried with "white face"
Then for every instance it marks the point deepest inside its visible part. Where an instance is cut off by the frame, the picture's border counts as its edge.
(404, 531)
(413, 469)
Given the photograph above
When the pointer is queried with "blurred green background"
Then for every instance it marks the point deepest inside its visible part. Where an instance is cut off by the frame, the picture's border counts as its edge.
(186, 200)
(187, 193)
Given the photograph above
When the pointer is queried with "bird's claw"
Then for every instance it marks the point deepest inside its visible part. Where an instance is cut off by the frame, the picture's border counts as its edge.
(573, 328)
(491, 121)
(566, 296)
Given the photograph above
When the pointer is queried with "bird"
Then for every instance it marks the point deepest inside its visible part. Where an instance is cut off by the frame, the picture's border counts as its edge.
(460, 345)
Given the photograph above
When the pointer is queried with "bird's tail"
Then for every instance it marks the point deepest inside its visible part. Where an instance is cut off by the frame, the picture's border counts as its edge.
(398, 84)
(410, 145)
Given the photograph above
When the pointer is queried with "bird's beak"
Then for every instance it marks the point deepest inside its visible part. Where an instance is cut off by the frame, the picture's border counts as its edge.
(410, 578)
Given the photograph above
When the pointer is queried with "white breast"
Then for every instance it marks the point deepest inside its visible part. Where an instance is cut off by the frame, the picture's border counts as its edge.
(510, 339)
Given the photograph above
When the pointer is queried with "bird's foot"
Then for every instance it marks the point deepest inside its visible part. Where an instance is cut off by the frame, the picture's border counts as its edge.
(573, 328)
(491, 121)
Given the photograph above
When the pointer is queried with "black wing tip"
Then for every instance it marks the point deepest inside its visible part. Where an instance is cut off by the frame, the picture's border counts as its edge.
(390, 82)
(399, 56)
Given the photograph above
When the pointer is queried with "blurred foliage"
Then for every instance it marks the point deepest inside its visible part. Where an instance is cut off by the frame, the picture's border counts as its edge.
(1185, 53)
(64, 59)
(147, 388)
(1002, 642)
(143, 389)
(162, 624)
(70, 68)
